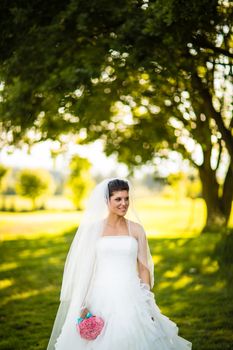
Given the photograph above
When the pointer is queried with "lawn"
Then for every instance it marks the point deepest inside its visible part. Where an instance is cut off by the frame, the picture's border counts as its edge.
(160, 217)
(189, 286)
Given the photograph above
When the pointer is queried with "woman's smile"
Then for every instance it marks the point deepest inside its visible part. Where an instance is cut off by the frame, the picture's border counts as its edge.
(119, 202)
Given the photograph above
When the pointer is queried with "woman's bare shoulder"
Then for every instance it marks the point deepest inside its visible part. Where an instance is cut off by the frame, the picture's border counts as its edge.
(134, 224)
(135, 228)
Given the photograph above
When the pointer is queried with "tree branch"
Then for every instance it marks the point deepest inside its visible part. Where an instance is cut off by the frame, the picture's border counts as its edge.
(186, 154)
(219, 154)
(212, 113)
(227, 194)
(205, 44)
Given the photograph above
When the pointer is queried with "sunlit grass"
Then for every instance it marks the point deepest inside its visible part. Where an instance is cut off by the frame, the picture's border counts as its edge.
(18, 203)
(5, 283)
(31, 224)
(190, 287)
(169, 218)
(160, 217)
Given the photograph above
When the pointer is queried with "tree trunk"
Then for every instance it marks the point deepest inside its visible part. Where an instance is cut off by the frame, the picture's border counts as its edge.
(212, 113)
(3, 203)
(227, 193)
(218, 207)
(33, 204)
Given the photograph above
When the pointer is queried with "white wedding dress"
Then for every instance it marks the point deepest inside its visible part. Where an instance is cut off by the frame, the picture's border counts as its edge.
(117, 297)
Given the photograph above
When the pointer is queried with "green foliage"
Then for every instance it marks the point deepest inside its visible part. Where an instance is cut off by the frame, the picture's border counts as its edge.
(80, 181)
(223, 251)
(177, 182)
(33, 184)
(82, 59)
(3, 173)
(144, 76)
(193, 187)
(184, 185)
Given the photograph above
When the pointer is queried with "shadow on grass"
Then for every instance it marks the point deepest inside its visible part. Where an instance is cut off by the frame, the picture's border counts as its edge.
(223, 251)
(189, 289)
(193, 291)
(31, 275)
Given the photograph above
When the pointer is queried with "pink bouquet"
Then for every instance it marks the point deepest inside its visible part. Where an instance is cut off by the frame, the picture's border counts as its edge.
(90, 327)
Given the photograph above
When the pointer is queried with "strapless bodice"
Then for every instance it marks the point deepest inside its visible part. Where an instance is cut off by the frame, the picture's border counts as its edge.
(116, 255)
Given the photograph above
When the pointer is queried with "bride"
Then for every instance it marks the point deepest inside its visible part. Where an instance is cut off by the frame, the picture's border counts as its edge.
(109, 273)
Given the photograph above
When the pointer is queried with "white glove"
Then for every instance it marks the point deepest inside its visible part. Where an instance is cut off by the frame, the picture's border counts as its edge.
(149, 296)
(145, 285)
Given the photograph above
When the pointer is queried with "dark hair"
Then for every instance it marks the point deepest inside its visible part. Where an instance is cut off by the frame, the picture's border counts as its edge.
(117, 185)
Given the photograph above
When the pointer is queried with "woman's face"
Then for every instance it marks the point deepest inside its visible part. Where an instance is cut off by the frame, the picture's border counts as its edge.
(119, 202)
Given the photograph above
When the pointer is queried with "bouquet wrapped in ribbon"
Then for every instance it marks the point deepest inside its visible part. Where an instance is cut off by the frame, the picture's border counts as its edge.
(90, 326)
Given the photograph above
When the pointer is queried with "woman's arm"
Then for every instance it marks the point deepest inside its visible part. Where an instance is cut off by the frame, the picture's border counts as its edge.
(144, 273)
(144, 276)
(84, 310)
(142, 261)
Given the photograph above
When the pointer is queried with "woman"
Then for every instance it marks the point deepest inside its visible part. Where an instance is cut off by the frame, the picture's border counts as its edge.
(109, 272)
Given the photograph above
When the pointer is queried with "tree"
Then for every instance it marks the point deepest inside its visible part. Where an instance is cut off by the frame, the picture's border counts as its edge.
(178, 183)
(144, 76)
(80, 181)
(33, 184)
(3, 173)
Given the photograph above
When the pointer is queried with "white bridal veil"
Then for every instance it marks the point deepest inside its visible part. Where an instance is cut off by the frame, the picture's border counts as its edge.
(80, 262)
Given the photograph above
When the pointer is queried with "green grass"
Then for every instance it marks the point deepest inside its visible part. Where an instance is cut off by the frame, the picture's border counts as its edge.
(18, 203)
(28, 225)
(190, 288)
(160, 217)
(31, 274)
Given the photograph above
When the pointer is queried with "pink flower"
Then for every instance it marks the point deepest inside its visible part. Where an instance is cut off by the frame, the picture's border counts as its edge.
(90, 327)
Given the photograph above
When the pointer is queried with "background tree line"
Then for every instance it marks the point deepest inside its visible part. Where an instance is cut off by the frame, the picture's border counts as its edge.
(38, 184)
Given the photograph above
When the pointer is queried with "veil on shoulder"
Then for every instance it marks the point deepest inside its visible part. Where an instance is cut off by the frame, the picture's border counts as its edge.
(80, 262)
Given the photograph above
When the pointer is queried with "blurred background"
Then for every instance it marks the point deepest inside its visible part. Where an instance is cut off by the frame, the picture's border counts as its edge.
(135, 89)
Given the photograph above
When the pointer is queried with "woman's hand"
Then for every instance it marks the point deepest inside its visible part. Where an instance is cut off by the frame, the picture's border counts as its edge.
(84, 312)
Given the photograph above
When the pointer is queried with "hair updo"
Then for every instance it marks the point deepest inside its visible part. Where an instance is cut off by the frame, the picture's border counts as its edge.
(117, 185)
